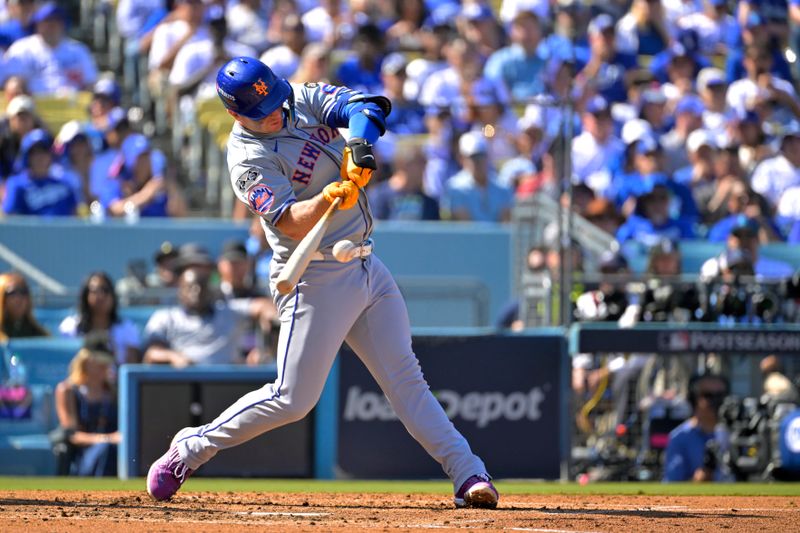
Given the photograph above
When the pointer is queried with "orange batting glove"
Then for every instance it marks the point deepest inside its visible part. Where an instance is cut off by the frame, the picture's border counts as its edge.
(358, 162)
(346, 190)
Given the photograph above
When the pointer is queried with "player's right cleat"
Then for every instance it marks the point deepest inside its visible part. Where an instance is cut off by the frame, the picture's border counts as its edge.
(167, 475)
(477, 491)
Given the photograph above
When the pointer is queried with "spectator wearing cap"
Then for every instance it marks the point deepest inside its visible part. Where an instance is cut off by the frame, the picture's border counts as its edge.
(407, 116)
(194, 71)
(632, 132)
(642, 30)
(745, 208)
(137, 280)
(755, 30)
(744, 239)
(106, 163)
(35, 190)
(73, 147)
(605, 72)
(437, 30)
(678, 65)
(284, 59)
(653, 109)
(137, 184)
(648, 171)
(473, 193)
(478, 25)
(401, 197)
(441, 161)
(774, 176)
(248, 22)
(520, 65)
(712, 87)
(236, 276)
(530, 145)
(362, 71)
(17, 22)
(202, 329)
(568, 40)
(105, 97)
(486, 109)
(761, 88)
(700, 175)
(18, 121)
(688, 118)
(596, 151)
(49, 60)
(652, 221)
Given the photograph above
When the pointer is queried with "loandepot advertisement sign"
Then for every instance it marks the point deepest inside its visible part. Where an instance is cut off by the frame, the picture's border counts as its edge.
(502, 393)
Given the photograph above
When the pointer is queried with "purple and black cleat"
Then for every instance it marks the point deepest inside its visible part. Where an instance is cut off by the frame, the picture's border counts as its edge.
(167, 475)
(477, 491)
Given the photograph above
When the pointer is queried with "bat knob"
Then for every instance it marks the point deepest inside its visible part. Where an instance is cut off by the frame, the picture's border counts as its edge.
(284, 286)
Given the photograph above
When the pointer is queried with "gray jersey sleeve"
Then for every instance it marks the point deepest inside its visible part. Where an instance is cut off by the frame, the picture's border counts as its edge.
(261, 185)
(319, 99)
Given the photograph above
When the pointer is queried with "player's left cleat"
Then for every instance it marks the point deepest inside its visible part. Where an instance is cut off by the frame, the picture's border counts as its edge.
(167, 475)
(477, 491)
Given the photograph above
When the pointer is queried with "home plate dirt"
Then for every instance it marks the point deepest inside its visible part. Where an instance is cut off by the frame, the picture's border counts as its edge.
(104, 512)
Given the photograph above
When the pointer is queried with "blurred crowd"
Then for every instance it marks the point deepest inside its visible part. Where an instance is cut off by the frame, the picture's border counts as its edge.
(678, 117)
(217, 315)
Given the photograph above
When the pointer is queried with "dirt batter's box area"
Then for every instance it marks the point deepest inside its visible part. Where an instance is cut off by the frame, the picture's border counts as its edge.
(576, 509)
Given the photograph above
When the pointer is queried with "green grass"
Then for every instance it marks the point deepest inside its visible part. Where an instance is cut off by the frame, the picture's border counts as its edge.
(432, 487)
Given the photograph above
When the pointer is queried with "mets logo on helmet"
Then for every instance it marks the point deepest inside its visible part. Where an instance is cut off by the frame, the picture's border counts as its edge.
(260, 198)
(261, 87)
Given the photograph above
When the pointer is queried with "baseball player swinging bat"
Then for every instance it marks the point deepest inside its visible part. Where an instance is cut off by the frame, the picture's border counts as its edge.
(301, 257)
(288, 162)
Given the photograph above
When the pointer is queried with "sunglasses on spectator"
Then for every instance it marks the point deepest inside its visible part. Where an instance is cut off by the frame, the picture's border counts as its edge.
(100, 290)
(17, 291)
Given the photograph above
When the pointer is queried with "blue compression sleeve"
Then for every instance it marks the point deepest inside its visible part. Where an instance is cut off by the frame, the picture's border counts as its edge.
(361, 126)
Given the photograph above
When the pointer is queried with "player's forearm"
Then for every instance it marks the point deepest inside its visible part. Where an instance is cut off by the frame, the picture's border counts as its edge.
(300, 217)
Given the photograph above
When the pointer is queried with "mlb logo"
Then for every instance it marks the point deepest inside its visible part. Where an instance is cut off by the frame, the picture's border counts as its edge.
(261, 198)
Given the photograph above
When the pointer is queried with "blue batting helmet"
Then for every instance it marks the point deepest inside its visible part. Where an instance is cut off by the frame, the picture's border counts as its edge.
(248, 87)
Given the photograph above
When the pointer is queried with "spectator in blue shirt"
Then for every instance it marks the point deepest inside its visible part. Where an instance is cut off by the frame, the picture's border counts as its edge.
(473, 193)
(695, 448)
(407, 117)
(745, 210)
(651, 222)
(520, 66)
(140, 184)
(755, 32)
(680, 62)
(401, 196)
(605, 72)
(362, 72)
(35, 191)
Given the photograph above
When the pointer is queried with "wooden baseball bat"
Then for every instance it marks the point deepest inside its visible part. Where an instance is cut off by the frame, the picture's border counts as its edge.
(301, 257)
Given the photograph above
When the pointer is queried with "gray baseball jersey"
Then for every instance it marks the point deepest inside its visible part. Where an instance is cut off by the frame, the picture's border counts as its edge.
(357, 302)
(309, 154)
